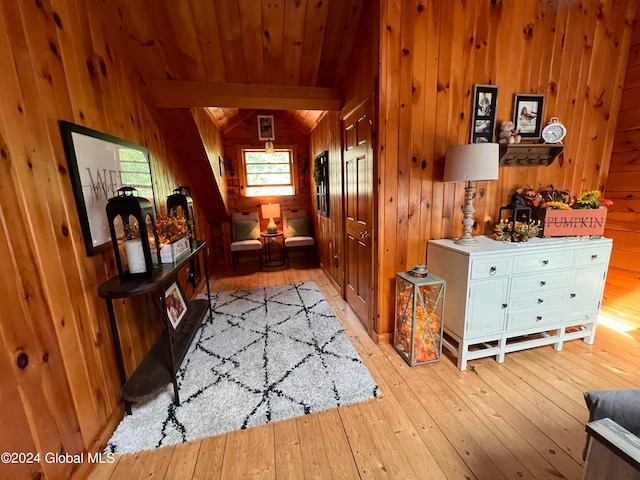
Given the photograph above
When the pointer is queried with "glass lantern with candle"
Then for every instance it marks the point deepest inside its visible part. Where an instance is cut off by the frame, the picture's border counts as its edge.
(135, 241)
(418, 328)
(180, 205)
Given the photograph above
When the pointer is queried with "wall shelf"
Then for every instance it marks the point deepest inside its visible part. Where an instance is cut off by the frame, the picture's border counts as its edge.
(529, 155)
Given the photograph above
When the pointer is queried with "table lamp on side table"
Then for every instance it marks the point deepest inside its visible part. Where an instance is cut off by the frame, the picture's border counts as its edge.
(471, 163)
(271, 211)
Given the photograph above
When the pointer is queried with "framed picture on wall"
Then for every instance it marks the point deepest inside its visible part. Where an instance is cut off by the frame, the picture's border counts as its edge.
(221, 166)
(483, 113)
(321, 179)
(528, 111)
(99, 164)
(265, 128)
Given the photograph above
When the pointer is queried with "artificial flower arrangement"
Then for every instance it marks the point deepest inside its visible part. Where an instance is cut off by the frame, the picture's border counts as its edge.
(550, 197)
(171, 229)
(564, 215)
(520, 232)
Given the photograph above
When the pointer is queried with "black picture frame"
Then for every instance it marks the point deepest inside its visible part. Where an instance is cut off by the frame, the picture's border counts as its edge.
(321, 179)
(528, 112)
(99, 164)
(483, 113)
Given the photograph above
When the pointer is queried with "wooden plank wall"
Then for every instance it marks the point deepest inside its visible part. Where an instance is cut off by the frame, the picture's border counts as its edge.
(245, 135)
(432, 53)
(356, 83)
(212, 142)
(60, 389)
(622, 292)
(326, 136)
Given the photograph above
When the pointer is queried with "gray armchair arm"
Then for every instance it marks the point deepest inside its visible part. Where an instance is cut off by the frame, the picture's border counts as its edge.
(613, 452)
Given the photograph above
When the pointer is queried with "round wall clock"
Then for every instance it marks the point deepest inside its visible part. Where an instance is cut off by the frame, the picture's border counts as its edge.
(554, 131)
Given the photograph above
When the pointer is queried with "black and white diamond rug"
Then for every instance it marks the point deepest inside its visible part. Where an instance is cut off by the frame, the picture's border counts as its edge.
(269, 354)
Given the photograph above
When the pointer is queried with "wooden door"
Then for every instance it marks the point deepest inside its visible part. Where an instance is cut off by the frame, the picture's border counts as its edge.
(358, 183)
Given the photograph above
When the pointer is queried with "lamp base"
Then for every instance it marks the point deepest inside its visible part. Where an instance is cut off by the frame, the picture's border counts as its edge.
(272, 227)
(467, 241)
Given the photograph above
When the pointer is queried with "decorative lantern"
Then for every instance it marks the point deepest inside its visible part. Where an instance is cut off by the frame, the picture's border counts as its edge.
(515, 211)
(419, 308)
(180, 205)
(133, 233)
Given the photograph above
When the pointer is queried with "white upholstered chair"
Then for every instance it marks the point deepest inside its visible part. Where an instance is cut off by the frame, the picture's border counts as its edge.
(297, 229)
(245, 235)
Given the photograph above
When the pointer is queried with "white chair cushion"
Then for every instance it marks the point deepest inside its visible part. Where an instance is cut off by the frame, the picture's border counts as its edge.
(298, 241)
(245, 245)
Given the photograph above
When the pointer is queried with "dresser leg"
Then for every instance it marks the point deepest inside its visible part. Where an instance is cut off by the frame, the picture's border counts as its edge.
(591, 327)
(502, 344)
(463, 352)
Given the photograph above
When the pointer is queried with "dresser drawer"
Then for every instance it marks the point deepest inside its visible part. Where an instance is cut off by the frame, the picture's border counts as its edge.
(490, 267)
(533, 319)
(539, 301)
(539, 283)
(592, 256)
(542, 262)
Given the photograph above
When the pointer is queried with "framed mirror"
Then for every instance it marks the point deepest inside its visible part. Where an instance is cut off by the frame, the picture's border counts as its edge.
(99, 164)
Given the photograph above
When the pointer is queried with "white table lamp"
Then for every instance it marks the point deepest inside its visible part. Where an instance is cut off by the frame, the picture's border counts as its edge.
(271, 211)
(471, 163)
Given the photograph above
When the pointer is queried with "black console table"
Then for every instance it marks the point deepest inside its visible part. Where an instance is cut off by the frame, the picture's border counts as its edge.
(160, 365)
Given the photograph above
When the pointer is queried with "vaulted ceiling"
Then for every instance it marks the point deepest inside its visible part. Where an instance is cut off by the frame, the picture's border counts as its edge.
(238, 56)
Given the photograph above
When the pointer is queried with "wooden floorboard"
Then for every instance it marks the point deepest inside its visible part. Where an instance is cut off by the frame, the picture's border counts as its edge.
(521, 419)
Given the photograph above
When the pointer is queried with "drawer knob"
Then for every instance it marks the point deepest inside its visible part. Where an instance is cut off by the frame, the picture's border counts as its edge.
(593, 257)
(504, 305)
(573, 295)
(545, 262)
(543, 283)
(538, 318)
(540, 300)
(493, 270)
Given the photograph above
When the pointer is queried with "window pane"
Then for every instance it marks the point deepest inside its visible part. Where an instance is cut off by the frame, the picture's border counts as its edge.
(268, 179)
(261, 157)
(267, 191)
(277, 168)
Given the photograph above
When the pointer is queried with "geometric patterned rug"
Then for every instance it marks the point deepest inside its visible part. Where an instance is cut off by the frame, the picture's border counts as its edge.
(269, 354)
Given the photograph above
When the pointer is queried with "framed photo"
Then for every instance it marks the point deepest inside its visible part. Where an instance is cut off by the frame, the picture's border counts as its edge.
(175, 304)
(483, 113)
(99, 165)
(528, 111)
(221, 165)
(265, 127)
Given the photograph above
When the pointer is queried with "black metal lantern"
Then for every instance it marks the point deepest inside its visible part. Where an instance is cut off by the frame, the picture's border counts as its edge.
(515, 211)
(180, 205)
(133, 233)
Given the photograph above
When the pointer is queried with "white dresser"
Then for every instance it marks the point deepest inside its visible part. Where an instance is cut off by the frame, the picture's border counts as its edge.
(503, 297)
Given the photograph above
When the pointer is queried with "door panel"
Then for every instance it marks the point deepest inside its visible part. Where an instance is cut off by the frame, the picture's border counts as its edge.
(358, 181)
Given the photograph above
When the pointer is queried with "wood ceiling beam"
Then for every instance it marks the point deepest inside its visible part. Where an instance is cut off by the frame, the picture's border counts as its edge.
(179, 94)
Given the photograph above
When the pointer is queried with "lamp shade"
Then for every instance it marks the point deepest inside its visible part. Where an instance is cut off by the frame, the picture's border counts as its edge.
(268, 147)
(271, 210)
(473, 162)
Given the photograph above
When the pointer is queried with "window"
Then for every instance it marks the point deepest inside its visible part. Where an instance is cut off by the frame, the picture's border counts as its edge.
(268, 174)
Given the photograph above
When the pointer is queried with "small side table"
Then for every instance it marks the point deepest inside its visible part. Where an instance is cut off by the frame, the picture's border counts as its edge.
(267, 240)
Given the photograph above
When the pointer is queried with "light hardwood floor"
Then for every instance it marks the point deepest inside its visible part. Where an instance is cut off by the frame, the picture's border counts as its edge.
(523, 419)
